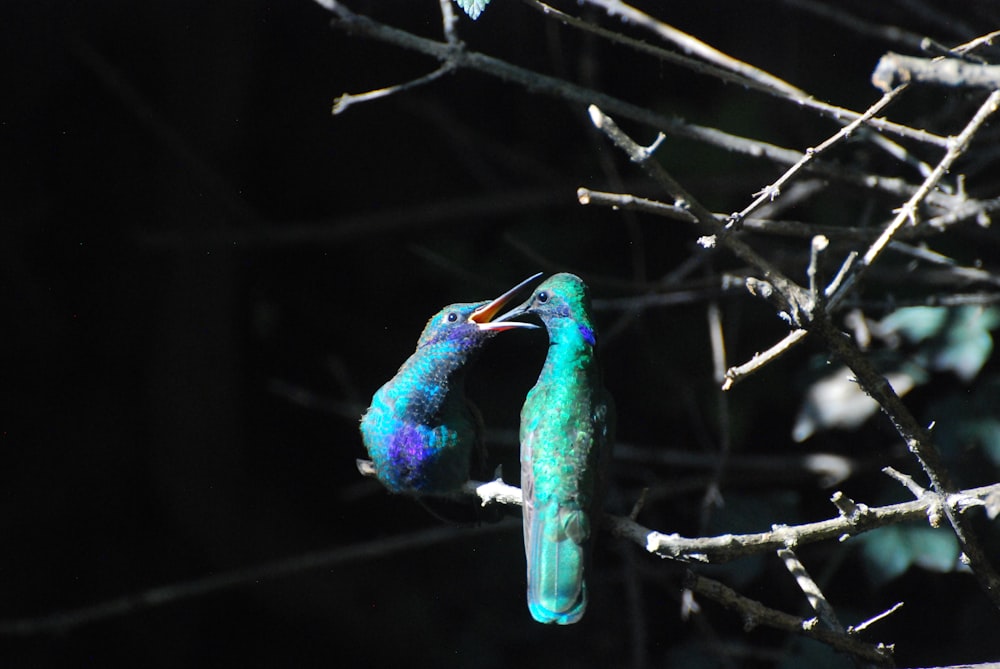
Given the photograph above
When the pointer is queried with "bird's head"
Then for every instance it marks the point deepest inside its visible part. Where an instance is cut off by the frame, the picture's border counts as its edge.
(472, 322)
(562, 300)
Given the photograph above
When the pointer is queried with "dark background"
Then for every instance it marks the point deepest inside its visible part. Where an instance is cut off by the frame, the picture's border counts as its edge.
(204, 276)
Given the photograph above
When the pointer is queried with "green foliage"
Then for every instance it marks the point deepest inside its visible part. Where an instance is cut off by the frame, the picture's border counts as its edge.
(915, 323)
(967, 343)
(473, 7)
(890, 551)
(919, 341)
(969, 420)
(953, 340)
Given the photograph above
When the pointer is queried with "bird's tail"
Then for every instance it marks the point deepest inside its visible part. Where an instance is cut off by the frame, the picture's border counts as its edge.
(555, 545)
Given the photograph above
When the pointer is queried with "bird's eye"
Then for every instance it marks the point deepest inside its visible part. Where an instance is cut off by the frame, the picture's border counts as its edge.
(543, 297)
(452, 317)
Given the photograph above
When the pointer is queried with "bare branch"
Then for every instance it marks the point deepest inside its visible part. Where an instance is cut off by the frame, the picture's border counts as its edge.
(785, 92)
(861, 627)
(726, 548)
(64, 621)
(773, 191)
(341, 104)
(894, 69)
(794, 295)
(586, 196)
(817, 600)
(462, 58)
(908, 212)
(919, 443)
(854, 519)
(759, 360)
(754, 613)
(691, 44)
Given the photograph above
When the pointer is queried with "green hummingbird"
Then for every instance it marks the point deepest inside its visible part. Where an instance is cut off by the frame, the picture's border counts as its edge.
(421, 431)
(567, 432)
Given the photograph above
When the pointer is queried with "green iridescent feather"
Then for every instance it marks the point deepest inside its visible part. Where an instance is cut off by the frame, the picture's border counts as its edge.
(567, 425)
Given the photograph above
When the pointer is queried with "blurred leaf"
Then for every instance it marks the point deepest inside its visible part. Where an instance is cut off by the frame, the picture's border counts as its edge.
(967, 342)
(838, 402)
(886, 554)
(915, 323)
(958, 340)
(473, 7)
(890, 551)
(987, 431)
(933, 549)
(969, 420)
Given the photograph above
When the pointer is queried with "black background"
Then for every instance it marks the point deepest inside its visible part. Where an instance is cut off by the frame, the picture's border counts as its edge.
(204, 276)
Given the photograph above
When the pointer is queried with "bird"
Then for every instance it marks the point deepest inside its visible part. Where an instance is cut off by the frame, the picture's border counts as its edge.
(473, 7)
(567, 433)
(421, 431)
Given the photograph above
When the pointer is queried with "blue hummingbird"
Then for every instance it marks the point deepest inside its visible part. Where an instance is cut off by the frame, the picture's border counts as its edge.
(421, 431)
(567, 431)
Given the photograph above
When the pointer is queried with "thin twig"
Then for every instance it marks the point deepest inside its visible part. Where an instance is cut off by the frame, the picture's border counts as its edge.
(754, 613)
(759, 360)
(835, 14)
(448, 21)
(713, 491)
(861, 627)
(908, 212)
(64, 621)
(534, 81)
(817, 600)
(786, 92)
(793, 294)
(772, 191)
(346, 100)
(690, 44)
(586, 196)
(819, 244)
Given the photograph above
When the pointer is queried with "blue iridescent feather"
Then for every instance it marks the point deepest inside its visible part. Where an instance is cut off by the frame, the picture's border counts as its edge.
(421, 432)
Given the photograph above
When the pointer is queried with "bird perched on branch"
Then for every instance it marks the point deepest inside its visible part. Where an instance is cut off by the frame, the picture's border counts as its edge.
(421, 431)
(567, 430)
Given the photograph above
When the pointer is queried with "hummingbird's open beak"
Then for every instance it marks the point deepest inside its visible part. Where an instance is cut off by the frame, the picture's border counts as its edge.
(484, 315)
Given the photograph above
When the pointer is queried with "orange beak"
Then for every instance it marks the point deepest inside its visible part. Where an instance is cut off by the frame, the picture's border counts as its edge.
(484, 315)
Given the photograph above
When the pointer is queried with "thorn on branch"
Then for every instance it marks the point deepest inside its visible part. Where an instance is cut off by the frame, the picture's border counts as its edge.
(935, 512)
(847, 507)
